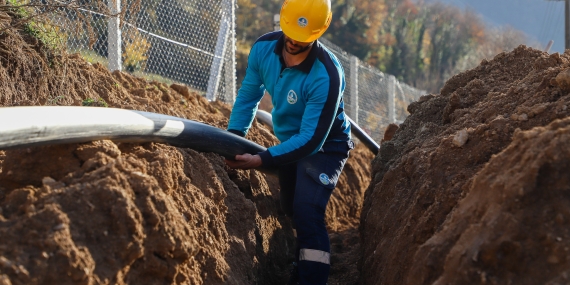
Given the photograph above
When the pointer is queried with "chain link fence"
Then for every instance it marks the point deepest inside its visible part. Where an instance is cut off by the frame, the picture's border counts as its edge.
(373, 99)
(193, 42)
(183, 41)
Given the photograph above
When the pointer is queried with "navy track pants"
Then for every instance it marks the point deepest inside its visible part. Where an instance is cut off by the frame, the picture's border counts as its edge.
(306, 187)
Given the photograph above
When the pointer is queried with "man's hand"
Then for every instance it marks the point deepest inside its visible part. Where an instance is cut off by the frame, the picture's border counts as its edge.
(245, 161)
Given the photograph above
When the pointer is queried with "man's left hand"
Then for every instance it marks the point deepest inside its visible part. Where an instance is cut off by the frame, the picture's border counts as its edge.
(245, 161)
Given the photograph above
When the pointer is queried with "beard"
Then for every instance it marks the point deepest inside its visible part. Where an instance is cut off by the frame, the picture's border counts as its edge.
(297, 49)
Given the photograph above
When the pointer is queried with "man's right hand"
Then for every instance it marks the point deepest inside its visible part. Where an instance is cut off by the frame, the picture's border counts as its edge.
(245, 161)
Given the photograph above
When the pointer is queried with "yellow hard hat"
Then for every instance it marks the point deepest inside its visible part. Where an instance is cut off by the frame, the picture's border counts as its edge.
(305, 20)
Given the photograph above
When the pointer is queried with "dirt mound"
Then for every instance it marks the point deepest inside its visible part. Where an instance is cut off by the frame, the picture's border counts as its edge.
(474, 186)
(123, 213)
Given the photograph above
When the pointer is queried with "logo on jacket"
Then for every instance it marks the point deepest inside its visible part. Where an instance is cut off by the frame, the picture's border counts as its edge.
(302, 22)
(292, 97)
(324, 179)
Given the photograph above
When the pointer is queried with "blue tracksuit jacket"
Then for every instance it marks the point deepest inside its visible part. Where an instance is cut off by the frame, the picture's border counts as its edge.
(308, 106)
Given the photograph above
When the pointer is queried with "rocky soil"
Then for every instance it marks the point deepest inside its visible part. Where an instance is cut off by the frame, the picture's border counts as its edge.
(474, 186)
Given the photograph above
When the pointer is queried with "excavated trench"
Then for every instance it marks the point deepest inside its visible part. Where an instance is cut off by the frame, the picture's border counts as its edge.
(473, 188)
(110, 212)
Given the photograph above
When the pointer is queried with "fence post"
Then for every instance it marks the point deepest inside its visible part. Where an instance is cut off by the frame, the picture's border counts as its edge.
(276, 22)
(354, 88)
(217, 62)
(114, 36)
(391, 98)
(231, 63)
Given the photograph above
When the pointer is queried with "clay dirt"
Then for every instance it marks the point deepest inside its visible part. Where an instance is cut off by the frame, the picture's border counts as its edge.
(472, 188)
(109, 212)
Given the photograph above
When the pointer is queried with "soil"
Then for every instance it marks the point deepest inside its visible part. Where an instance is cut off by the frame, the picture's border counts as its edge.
(107, 212)
(473, 188)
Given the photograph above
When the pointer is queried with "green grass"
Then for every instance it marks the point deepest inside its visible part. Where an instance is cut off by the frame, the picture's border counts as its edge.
(161, 79)
(20, 12)
(153, 77)
(44, 32)
(93, 57)
(94, 102)
(54, 101)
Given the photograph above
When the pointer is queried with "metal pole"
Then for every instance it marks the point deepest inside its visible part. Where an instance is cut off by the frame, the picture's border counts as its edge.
(353, 92)
(217, 62)
(567, 25)
(391, 98)
(114, 32)
(266, 119)
(548, 46)
(276, 22)
(363, 137)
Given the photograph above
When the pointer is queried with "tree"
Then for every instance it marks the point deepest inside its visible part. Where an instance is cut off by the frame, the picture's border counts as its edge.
(421, 44)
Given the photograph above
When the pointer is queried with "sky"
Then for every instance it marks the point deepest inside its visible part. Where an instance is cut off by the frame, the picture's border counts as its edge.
(540, 20)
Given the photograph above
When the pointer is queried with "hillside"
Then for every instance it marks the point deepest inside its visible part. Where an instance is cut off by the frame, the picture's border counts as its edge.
(541, 21)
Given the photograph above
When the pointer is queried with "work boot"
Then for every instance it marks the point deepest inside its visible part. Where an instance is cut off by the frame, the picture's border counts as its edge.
(293, 275)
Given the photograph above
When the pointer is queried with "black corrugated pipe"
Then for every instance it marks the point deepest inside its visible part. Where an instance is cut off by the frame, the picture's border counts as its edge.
(48, 125)
(265, 118)
(363, 137)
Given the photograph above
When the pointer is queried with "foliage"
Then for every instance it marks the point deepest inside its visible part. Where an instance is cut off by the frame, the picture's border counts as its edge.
(93, 57)
(54, 101)
(17, 8)
(26, 19)
(48, 34)
(421, 44)
(44, 19)
(94, 102)
(253, 19)
(136, 48)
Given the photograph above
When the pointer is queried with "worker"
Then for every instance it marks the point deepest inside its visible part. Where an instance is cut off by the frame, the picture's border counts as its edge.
(306, 83)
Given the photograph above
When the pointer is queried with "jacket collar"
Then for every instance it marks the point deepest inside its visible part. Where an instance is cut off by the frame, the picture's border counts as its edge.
(304, 66)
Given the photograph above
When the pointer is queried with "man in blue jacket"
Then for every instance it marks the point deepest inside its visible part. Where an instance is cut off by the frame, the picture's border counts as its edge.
(306, 83)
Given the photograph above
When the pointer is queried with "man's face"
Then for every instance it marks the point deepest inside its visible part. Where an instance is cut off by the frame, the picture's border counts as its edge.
(294, 47)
